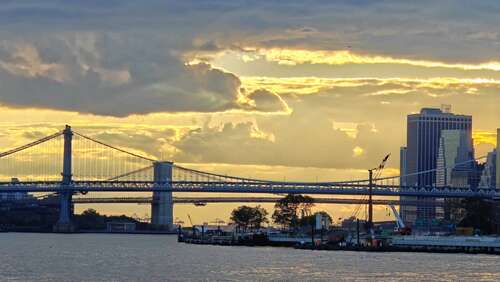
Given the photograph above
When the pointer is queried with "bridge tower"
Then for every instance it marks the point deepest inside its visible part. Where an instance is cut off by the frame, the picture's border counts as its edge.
(162, 207)
(65, 197)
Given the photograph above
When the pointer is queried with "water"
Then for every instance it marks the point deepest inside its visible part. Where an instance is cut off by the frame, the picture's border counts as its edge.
(109, 257)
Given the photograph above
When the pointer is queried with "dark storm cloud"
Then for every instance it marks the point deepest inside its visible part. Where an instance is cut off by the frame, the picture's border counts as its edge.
(124, 57)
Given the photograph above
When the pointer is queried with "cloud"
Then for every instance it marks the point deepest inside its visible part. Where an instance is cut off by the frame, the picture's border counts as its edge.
(297, 140)
(122, 57)
(266, 101)
(118, 85)
(354, 70)
(293, 57)
(341, 123)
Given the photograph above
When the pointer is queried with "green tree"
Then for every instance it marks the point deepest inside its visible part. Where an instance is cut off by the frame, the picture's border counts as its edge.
(249, 217)
(288, 209)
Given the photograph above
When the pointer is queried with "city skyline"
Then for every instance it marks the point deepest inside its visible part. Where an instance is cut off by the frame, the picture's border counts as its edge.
(263, 140)
(263, 91)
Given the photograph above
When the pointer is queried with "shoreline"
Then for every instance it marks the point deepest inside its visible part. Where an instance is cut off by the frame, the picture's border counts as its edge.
(94, 232)
(420, 248)
(391, 249)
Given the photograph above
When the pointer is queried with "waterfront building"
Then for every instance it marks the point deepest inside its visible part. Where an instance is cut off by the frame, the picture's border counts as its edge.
(120, 227)
(14, 196)
(423, 138)
(498, 159)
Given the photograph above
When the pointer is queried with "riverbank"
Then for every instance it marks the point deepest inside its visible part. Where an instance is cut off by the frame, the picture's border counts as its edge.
(431, 244)
(144, 232)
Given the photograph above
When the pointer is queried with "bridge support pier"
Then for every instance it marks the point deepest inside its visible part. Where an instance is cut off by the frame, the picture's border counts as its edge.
(64, 224)
(162, 207)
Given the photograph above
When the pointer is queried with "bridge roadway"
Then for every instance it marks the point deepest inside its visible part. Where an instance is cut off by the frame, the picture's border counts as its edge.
(321, 188)
(206, 200)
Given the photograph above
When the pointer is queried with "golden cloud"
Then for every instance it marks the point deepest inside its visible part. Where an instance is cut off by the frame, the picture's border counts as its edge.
(294, 57)
(484, 137)
(313, 85)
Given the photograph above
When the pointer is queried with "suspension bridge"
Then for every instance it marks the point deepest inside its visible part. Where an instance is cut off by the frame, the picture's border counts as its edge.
(70, 163)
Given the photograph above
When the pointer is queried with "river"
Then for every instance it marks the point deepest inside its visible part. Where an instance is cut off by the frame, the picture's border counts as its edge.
(122, 257)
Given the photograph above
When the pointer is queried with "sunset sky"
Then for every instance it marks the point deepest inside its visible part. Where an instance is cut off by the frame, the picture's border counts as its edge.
(295, 90)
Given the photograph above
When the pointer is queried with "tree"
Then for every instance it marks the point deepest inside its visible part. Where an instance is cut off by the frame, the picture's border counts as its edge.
(249, 217)
(287, 210)
(479, 214)
(90, 219)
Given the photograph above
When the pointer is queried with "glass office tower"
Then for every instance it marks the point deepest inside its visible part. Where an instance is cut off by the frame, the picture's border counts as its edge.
(423, 137)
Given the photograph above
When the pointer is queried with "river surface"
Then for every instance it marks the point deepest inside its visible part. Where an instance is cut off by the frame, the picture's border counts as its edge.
(121, 257)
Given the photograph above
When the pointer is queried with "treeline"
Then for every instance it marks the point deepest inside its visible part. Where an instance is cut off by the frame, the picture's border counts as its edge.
(291, 212)
(90, 219)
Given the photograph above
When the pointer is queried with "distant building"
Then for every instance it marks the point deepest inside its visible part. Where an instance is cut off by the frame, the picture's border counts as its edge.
(118, 227)
(455, 167)
(498, 159)
(423, 138)
(408, 213)
(488, 177)
(14, 196)
(402, 165)
(455, 161)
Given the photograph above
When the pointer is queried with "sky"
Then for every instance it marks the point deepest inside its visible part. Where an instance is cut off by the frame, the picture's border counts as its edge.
(302, 90)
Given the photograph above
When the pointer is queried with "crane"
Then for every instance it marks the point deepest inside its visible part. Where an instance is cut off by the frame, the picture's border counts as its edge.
(378, 170)
(401, 227)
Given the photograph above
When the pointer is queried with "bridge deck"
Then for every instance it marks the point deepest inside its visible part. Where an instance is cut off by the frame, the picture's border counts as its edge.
(327, 188)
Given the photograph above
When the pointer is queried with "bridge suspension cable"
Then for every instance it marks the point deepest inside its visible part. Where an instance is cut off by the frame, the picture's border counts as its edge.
(114, 148)
(425, 171)
(217, 176)
(130, 173)
(29, 145)
(96, 160)
(40, 160)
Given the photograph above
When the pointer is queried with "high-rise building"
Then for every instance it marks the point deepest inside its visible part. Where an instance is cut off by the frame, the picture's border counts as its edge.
(498, 159)
(408, 213)
(488, 177)
(455, 161)
(423, 137)
(402, 165)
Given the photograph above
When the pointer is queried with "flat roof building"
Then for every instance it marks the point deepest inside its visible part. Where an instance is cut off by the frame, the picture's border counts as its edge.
(423, 137)
(498, 159)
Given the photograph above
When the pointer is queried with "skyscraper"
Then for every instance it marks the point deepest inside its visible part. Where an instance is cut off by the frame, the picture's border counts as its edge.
(408, 213)
(402, 165)
(498, 159)
(423, 135)
(488, 177)
(454, 164)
